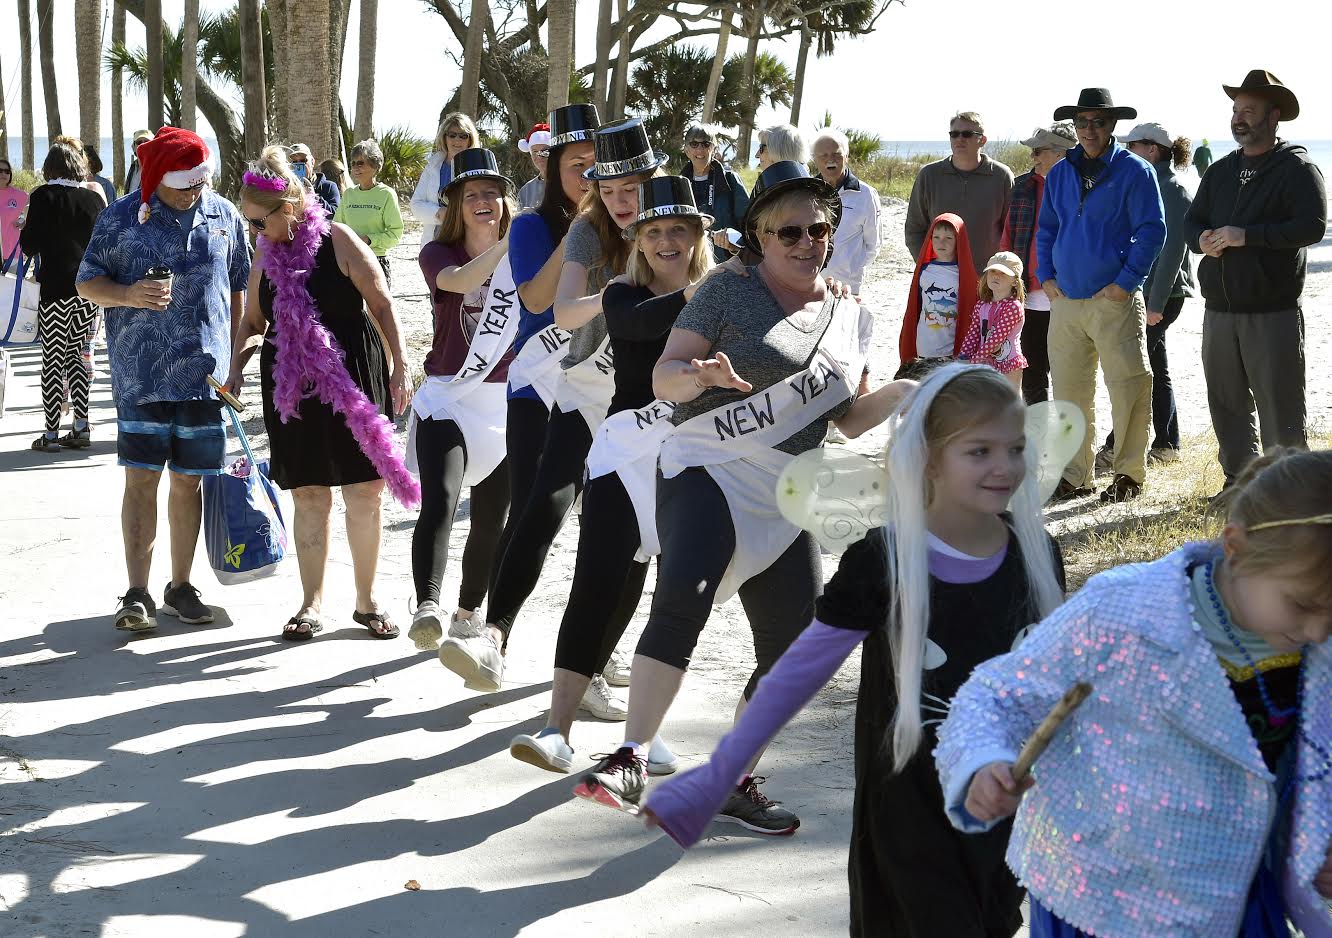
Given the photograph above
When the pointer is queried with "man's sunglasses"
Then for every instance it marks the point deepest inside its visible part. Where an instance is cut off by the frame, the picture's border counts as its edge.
(259, 223)
(790, 235)
(540, 154)
(964, 134)
(695, 144)
(194, 188)
(1082, 123)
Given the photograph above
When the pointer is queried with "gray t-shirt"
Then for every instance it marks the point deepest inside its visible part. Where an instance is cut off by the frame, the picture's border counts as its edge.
(582, 246)
(741, 317)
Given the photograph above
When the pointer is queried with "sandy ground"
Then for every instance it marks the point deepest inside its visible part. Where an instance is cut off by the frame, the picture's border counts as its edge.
(215, 781)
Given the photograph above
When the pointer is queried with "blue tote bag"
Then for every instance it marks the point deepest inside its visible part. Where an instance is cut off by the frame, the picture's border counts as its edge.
(244, 533)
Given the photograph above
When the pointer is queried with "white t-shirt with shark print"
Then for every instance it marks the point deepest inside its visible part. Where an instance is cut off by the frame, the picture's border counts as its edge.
(937, 327)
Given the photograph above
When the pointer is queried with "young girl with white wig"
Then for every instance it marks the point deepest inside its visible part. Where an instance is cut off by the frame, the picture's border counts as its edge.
(958, 571)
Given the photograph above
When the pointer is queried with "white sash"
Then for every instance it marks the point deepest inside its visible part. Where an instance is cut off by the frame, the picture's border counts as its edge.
(537, 364)
(588, 386)
(736, 443)
(627, 444)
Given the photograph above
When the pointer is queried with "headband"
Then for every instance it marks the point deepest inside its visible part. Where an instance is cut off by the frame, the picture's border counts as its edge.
(1314, 519)
(264, 181)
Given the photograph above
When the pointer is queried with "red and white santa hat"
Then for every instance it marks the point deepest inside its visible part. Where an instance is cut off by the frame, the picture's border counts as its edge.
(538, 136)
(174, 157)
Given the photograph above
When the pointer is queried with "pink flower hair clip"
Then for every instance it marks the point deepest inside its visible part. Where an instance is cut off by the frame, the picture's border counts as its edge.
(264, 181)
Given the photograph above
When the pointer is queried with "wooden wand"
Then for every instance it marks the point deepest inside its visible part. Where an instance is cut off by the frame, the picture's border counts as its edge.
(1044, 734)
(232, 401)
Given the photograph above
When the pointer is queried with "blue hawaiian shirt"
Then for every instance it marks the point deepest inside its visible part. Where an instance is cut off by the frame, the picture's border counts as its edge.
(168, 355)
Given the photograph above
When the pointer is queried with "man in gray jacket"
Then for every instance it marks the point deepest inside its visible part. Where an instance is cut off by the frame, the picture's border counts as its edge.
(967, 183)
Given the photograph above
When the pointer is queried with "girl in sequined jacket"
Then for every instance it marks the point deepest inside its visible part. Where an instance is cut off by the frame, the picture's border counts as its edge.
(1191, 795)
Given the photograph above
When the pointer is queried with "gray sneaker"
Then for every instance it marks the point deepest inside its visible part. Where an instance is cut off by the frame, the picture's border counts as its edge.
(618, 781)
(754, 810)
(426, 631)
(137, 612)
(183, 602)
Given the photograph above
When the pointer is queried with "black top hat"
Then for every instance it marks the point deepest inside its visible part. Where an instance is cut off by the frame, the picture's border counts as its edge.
(780, 177)
(1095, 99)
(476, 163)
(1264, 83)
(623, 150)
(572, 123)
(663, 197)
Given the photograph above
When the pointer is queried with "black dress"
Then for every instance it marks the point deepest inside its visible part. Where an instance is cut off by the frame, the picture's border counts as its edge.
(912, 874)
(317, 448)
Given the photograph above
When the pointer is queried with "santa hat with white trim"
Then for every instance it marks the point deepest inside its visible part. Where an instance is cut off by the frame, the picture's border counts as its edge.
(538, 136)
(175, 157)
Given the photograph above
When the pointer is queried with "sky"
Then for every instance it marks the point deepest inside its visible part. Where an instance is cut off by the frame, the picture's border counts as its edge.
(1014, 63)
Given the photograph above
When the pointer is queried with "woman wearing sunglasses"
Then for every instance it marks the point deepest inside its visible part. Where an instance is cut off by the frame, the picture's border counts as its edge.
(457, 132)
(370, 208)
(329, 390)
(717, 191)
(757, 366)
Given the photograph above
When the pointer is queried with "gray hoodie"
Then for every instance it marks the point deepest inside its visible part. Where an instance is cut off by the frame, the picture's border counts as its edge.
(1172, 273)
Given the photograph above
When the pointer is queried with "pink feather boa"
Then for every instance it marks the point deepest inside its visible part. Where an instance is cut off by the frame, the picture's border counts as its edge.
(309, 362)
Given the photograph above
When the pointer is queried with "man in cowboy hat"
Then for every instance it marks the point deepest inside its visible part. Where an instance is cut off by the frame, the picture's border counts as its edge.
(1101, 226)
(1255, 212)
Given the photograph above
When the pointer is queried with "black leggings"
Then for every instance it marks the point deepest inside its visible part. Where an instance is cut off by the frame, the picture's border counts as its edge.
(607, 581)
(559, 478)
(1036, 349)
(524, 435)
(441, 455)
(697, 542)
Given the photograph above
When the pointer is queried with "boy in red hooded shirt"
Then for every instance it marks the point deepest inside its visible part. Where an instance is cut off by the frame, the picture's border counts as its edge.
(942, 295)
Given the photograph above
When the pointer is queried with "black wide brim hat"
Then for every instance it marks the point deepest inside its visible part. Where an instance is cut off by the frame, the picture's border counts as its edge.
(623, 150)
(476, 163)
(665, 197)
(1266, 85)
(573, 123)
(783, 176)
(1095, 99)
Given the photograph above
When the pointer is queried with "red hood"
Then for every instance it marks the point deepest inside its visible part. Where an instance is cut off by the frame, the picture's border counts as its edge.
(966, 288)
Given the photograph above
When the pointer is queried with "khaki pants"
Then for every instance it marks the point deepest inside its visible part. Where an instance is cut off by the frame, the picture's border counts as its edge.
(1081, 332)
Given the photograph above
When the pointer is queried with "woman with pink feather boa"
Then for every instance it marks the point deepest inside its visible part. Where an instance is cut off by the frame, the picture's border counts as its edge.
(329, 389)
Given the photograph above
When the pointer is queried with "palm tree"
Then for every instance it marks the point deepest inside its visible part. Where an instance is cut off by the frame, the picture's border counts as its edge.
(117, 116)
(25, 81)
(824, 26)
(276, 40)
(806, 40)
(714, 74)
(471, 75)
(560, 40)
(308, 43)
(189, 63)
(252, 76)
(88, 46)
(46, 44)
(600, 71)
(365, 63)
(753, 23)
(338, 14)
(152, 10)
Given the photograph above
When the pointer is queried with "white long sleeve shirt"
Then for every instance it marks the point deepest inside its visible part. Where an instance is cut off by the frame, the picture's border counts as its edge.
(425, 198)
(856, 242)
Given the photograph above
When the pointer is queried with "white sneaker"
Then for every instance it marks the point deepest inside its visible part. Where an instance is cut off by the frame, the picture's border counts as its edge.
(425, 631)
(472, 654)
(460, 627)
(661, 761)
(549, 752)
(600, 701)
(835, 435)
(616, 671)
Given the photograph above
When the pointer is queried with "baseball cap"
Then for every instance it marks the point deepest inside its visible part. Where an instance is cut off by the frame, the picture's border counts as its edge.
(1151, 133)
(1005, 262)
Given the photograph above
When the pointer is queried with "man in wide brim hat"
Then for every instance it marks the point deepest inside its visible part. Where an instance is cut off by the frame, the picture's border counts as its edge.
(1095, 99)
(1264, 84)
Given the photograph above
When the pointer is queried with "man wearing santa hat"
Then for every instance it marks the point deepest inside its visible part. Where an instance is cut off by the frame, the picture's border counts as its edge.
(169, 263)
(536, 145)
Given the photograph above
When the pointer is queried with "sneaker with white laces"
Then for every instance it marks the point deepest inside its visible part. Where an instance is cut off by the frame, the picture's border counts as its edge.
(750, 808)
(426, 631)
(617, 782)
(547, 751)
(661, 761)
(183, 602)
(600, 701)
(460, 625)
(473, 654)
(137, 612)
(616, 671)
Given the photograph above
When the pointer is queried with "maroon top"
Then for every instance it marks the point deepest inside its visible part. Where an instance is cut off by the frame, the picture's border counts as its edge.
(456, 316)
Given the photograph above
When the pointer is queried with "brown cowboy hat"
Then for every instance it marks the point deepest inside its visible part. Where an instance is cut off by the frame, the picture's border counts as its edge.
(1095, 99)
(1263, 83)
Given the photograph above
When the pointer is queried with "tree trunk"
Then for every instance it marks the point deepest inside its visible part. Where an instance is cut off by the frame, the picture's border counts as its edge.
(331, 143)
(189, 63)
(88, 55)
(152, 11)
(365, 74)
(714, 76)
(560, 64)
(277, 33)
(25, 82)
(750, 105)
(252, 74)
(601, 71)
(46, 46)
(470, 89)
(806, 40)
(620, 77)
(117, 87)
(308, 34)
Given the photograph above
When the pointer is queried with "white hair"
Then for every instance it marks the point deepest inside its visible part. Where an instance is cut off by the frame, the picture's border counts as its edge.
(785, 143)
(836, 136)
(907, 455)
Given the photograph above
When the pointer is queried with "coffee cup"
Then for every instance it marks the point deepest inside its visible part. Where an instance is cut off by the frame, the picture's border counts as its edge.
(162, 275)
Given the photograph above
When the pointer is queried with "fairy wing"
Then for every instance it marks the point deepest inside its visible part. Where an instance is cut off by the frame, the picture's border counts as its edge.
(1055, 431)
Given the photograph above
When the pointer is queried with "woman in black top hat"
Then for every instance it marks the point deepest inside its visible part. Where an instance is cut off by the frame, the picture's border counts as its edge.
(458, 433)
(670, 255)
(594, 252)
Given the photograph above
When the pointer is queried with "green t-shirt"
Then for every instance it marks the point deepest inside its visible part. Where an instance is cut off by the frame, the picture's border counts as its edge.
(372, 213)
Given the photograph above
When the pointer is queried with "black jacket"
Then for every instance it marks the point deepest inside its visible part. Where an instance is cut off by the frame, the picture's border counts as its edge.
(1282, 209)
(59, 226)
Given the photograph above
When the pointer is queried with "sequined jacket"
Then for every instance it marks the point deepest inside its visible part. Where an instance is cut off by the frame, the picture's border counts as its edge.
(1152, 806)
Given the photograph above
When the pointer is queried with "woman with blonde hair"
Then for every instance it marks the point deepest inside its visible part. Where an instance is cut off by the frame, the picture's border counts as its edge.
(457, 132)
(329, 390)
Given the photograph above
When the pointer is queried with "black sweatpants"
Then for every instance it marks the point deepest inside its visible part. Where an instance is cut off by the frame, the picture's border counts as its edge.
(441, 454)
(1036, 348)
(697, 542)
(607, 583)
(559, 478)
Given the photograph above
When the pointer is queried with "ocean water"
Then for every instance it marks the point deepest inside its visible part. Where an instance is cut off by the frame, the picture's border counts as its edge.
(41, 146)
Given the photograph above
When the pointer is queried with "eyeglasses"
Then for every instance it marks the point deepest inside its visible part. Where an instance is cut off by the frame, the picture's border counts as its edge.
(1037, 151)
(540, 154)
(1082, 123)
(964, 134)
(359, 163)
(762, 147)
(790, 235)
(298, 159)
(194, 188)
(259, 223)
(458, 135)
(697, 144)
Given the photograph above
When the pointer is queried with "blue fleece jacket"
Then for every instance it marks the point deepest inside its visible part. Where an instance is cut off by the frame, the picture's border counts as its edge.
(1112, 235)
